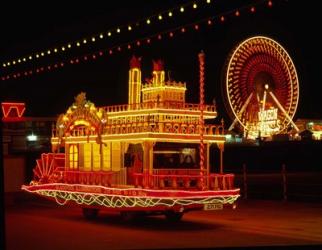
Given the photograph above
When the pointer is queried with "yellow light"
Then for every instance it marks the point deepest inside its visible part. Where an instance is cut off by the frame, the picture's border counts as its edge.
(101, 36)
(8, 63)
(63, 48)
(69, 45)
(42, 53)
(148, 21)
(129, 27)
(160, 17)
(30, 57)
(181, 9)
(78, 44)
(19, 61)
(48, 52)
(109, 33)
(208, 1)
(195, 6)
(118, 30)
(14, 62)
(93, 39)
(24, 59)
(84, 41)
(37, 55)
(170, 14)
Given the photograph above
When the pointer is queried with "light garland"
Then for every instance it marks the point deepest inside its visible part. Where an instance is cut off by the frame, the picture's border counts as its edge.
(99, 36)
(143, 199)
(129, 45)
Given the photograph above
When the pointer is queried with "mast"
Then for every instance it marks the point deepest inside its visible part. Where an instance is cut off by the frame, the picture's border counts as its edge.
(201, 57)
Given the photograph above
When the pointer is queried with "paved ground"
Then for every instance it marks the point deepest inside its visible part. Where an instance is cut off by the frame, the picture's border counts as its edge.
(35, 225)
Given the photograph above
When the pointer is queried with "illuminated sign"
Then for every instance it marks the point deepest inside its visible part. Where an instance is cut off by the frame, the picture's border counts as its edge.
(268, 122)
(12, 110)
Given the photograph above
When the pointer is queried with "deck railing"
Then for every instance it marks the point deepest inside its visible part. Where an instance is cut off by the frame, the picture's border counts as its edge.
(184, 180)
(152, 127)
(158, 105)
(176, 179)
(104, 178)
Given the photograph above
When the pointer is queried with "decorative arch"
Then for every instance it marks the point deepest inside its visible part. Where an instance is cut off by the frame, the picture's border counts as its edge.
(82, 113)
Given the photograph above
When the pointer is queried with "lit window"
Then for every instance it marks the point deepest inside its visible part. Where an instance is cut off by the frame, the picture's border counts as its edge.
(73, 156)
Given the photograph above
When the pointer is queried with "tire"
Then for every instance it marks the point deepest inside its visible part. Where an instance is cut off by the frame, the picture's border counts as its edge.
(173, 216)
(90, 213)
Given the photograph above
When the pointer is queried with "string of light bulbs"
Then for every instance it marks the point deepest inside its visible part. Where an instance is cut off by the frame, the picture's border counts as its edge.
(195, 26)
(106, 34)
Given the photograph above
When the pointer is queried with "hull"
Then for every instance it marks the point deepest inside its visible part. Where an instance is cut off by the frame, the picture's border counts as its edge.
(132, 198)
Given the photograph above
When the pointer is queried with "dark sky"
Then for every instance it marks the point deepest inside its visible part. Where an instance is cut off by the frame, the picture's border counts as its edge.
(28, 28)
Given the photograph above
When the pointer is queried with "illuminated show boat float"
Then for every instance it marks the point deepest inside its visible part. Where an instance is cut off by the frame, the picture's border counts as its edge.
(150, 156)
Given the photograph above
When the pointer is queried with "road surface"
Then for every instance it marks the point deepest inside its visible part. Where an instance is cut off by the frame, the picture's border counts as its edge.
(42, 225)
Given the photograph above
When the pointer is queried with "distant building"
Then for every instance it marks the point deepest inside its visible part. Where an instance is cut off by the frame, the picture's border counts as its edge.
(311, 125)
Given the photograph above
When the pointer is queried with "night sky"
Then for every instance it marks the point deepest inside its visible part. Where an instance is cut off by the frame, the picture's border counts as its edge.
(29, 28)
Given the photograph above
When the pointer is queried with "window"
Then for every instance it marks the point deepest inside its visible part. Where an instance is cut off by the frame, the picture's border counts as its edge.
(73, 156)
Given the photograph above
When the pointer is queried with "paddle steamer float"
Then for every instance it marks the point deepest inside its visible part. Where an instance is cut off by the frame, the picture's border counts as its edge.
(150, 156)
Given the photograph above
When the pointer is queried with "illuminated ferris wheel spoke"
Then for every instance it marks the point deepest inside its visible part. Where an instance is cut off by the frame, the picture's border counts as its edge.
(241, 111)
(283, 110)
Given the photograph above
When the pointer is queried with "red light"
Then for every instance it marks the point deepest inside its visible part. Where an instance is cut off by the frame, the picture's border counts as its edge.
(26, 73)
(183, 30)
(270, 3)
(14, 76)
(111, 52)
(42, 68)
(237, 13)
(138, 43)
(100, 53)
(77, 61)
(3, 78)
(252, 9)
(222, 18)
(148, 41)
(37, 70)
(171, 34)
(56, 66)
(8, 77)
(209, 22)
(49, 68)
(62, 64)
(71, 61)
(18, 74)
(159, 37)
(85, 58)
(196, 27)
(129, 46)
(94, 56)
(30, 72)
(119, 49)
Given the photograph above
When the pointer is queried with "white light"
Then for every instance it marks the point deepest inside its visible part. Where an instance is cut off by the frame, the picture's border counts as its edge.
(129, 28)
(32, 137)
(101, 36)
(118, 30)
(181, 9)
(208, 1)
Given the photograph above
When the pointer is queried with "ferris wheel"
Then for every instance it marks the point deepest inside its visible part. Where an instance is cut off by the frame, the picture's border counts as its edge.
(261, 87)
